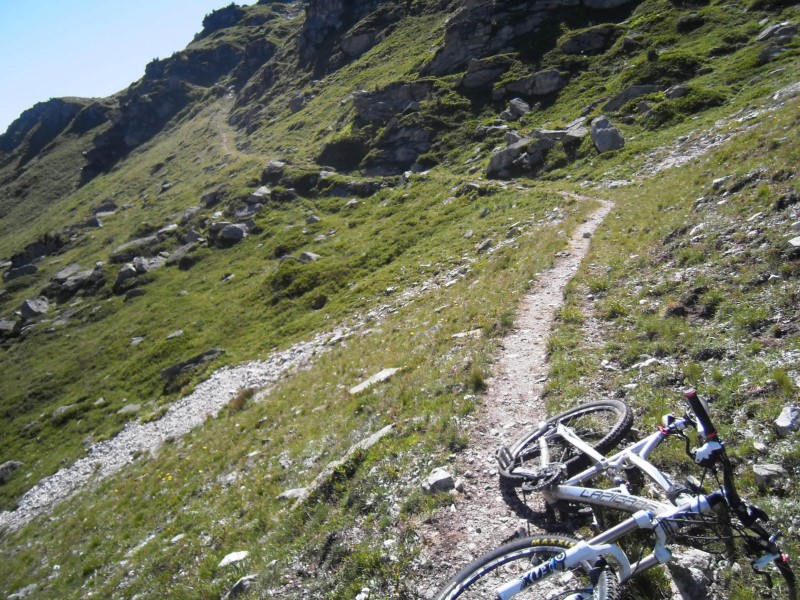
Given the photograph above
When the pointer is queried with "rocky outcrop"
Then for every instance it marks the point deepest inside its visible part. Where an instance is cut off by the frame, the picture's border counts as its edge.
(402, 139)
(354, 456)
(127, 251)
(273, 172)
(323, 18)
(327, 20)
(180, 257)
(382, 105)
(47, 245)
(591, 41)
(483, 71)
(397, 150)
(128, 275)
(9, 328)
(628, 94)
(224, 233)
(22, 271)
(483, 28)
(38, 126)
(538, 84)
(524, 155)
(220, 19)
(142, 112)
(168, 87)
(528, 154)
(70, 280)
(368, 31)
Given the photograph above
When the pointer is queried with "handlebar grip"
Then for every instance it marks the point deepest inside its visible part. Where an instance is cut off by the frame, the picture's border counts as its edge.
(699, 409)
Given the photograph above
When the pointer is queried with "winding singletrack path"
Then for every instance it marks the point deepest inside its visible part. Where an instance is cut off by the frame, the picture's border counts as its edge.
(480, 519)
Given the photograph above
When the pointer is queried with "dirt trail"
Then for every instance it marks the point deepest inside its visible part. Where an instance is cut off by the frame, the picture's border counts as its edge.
(480, 519)
(218, 122)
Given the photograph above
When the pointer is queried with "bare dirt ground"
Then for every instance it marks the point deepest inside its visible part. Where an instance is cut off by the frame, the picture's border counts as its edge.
(480, 519)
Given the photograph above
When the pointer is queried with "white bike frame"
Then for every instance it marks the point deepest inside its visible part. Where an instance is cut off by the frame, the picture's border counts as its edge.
(661, 518)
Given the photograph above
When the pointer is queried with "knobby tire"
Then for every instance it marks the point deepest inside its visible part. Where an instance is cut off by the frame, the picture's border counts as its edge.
(482, 577)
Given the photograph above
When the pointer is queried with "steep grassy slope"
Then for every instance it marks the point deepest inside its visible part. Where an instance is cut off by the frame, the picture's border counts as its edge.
(681, 272)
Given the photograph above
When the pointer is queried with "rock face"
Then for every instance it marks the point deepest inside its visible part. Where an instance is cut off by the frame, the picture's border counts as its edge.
(381, 106)
(168, 86)
(606, 136)
(39, 125)
(397, 150)
(482, 72)
(592, 41)
(326, 19)
(222, 18)
(538, 84)
(483, 28)
(366, 32)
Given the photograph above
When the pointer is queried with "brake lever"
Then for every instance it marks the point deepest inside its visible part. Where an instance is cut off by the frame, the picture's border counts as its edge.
(707, 454)
(749, 514)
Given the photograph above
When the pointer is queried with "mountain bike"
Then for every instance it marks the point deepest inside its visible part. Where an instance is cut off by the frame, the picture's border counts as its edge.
(567, 453)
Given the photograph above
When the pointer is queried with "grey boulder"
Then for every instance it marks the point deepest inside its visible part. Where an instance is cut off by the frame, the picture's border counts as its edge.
(606, 137)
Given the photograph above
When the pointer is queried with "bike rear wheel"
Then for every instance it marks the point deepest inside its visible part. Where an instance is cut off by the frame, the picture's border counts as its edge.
(482, 578)
(601, 424)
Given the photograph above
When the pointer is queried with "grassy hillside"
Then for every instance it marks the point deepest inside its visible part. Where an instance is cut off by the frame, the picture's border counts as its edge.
(692, 268)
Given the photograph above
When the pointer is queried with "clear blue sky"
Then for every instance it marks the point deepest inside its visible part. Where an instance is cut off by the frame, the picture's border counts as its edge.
(88, 48)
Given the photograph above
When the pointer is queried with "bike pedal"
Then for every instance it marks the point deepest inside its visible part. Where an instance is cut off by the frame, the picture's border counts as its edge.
(504, 458)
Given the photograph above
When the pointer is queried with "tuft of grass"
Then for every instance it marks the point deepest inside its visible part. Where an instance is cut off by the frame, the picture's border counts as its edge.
(477, 381)
(241, 400)
(785, 385)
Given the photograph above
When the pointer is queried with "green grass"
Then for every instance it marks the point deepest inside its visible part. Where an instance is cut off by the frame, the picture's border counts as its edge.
(706, 307)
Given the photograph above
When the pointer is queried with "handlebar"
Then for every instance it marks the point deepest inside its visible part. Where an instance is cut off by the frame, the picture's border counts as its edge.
(700, 409)
(712, 453)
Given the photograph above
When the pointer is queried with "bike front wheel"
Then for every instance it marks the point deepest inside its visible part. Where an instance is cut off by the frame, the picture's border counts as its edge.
(483, 577)
(601, 424)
